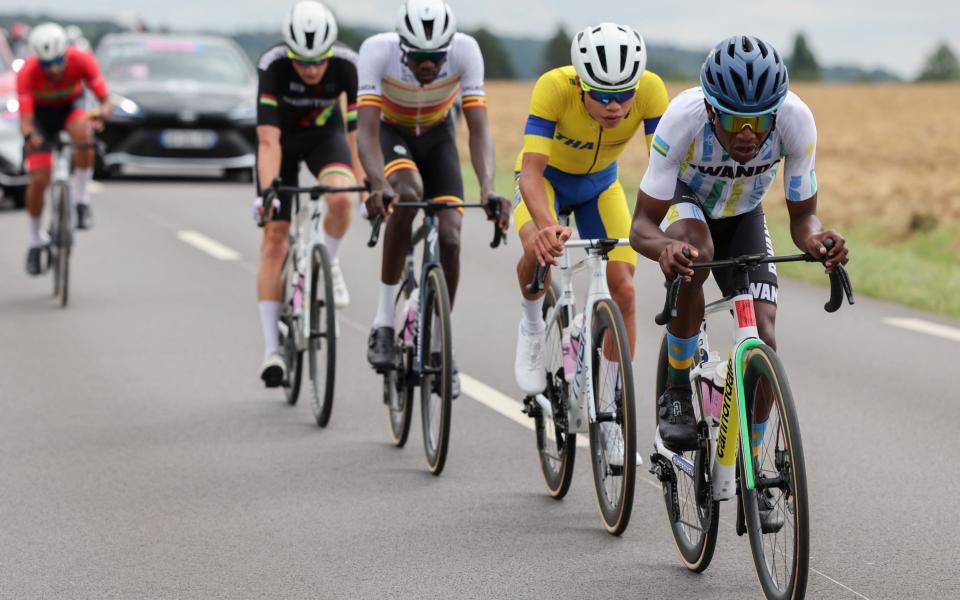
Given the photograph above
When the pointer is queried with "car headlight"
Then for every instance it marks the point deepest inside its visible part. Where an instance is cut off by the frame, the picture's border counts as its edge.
(125, 108)
(245, 112)
(9, 107)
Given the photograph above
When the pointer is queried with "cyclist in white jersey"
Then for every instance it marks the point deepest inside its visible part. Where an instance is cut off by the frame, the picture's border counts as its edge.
(408, 83)
(716, 153)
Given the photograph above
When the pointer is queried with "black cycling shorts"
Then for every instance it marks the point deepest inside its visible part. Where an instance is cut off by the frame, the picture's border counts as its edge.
(735, 236)
(433, 154)
(323, 150)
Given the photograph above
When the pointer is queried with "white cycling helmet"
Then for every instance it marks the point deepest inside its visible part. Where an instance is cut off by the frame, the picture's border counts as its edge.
(425, 25)
(309, 29)
(609, 56)
(48, 41)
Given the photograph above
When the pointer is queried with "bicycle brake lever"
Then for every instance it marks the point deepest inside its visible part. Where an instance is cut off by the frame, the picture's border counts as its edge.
(669, 312)
(538, 280)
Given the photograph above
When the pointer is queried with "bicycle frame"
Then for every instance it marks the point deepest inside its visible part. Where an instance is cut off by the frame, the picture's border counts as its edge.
(582, 387)
(304, 234)
(430, 260)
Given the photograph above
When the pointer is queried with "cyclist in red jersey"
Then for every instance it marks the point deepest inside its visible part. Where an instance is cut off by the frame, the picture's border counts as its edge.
(50, 88)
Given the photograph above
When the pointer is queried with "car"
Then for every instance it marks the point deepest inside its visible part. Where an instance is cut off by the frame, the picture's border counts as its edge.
(182, 103)
(13, 178)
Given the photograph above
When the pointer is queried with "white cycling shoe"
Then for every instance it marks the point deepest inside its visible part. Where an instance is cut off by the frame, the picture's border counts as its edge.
(273, 371)
(341, 295)
(528, 367)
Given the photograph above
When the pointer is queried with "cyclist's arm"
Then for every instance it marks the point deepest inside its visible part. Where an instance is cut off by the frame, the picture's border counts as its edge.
(645, 234)
(95, 82)
(268, 154)
(368, 145)
(656, 99)
(25, 98)
(533, 191)
(350, 84)
(481, 147)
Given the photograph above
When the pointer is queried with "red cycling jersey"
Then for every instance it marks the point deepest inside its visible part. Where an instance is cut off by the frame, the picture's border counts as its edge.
(36, 88)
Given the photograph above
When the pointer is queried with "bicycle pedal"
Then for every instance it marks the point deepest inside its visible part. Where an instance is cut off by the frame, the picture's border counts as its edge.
(530, 408)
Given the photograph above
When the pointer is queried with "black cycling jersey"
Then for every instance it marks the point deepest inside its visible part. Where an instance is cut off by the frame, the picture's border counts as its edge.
(285, 101)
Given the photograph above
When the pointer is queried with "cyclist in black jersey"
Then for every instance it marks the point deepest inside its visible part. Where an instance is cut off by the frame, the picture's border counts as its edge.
(299, 118)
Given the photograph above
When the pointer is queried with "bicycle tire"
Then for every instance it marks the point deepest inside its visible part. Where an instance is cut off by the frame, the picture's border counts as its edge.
(292, 356)
(323, 335)
(61, 272)
(557, 454)
(435, 412)
(398, 382)
(696, 553)
(762, 363)
(614, 485)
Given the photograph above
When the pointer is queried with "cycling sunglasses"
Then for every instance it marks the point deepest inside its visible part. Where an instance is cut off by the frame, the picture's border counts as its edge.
(56, 62)
(736, 123)
(427, 55)
(309, 61)
(606, 97)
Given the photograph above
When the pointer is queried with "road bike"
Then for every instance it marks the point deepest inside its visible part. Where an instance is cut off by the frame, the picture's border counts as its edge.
(589, 384)
(423, 342)
(749, 444)
(308, 321)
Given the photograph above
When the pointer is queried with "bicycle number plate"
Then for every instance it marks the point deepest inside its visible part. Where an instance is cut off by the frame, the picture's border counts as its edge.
(188, 139)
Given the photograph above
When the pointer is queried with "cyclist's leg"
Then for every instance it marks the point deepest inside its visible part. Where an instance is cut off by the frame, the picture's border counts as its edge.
(439, 165)
(402, 174)
(273, 251)
(615, 220)
(329, 160)
(81, 132)
(748, 234)
(48, 121)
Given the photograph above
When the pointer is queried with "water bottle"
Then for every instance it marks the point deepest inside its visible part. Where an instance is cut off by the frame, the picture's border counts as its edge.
(410, 308)
(571, 347)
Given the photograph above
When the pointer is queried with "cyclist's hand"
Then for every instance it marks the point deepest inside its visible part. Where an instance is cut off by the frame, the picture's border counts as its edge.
(95, 116)
(32, 141)
(674, 262)
(839, 254)
(503, 218)
(260, 216)
(548, 243)
(376, 204)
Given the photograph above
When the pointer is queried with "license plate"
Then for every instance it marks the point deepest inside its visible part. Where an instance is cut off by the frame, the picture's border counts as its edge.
(188, 139)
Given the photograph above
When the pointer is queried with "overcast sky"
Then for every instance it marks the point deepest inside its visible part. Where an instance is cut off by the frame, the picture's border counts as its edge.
(894, 34)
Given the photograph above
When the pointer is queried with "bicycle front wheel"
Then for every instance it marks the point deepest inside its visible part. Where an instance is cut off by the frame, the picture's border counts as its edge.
(776, 511)
(436, 384)
(322, 345)
(693, 521)
(557, 447)
(613, 440)
(62, 242)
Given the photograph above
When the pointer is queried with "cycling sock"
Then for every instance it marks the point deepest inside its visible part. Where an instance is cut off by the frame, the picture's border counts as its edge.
(680, 353)
(269, 316)
(533, 315)
(388, 296)
(35, 239)
(82, 177)
(332, 244)
(756, 437)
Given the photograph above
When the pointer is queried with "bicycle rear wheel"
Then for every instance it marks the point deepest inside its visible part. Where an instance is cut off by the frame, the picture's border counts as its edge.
(322, 345)
(436, 385)
(694, 526)
(62, 242)
(556, 447)
(292, 356)
(781, 554)
(613, 435)
(397, 382)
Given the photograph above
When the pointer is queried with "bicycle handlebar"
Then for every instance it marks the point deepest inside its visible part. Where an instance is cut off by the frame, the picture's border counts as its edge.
(539, 279)
(498, 236)
(840, 285)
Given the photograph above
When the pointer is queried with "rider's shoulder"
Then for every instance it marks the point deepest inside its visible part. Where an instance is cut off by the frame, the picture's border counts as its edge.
(272, 56)
(380, 43)
(794, 108)
(345, 52)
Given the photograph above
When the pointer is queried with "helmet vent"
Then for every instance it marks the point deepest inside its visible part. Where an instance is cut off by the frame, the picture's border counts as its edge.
(747, 45)
(716, 58)
(428, 29)
(749, 71)
(602, 55)
(763, 49)
(311, 35)
(623, 57)
(761, 82)
(738, 83)
(731, 50)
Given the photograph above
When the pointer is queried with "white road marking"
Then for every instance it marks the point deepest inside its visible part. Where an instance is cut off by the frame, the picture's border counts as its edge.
(95, 187)
(927, 327)
(210, 246)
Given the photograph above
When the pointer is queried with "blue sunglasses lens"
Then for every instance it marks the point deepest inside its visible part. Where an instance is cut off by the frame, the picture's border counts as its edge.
(608, 97)
(46, 64)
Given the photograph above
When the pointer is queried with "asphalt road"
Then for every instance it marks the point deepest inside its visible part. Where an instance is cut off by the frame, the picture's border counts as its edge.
(140, 457)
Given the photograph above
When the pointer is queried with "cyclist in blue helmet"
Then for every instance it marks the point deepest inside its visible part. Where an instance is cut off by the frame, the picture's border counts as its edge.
(716, 153)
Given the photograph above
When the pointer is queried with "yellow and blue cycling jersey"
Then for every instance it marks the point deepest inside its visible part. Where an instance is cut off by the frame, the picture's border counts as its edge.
(582, 167)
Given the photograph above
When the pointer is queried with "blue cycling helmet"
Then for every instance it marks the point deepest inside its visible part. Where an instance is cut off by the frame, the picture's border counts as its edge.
(744, 75)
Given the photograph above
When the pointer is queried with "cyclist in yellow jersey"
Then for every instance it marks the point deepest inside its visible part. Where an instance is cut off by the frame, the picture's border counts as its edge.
(581, 119)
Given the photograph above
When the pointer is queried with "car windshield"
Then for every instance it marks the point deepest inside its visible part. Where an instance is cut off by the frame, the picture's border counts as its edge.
(160, 60)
